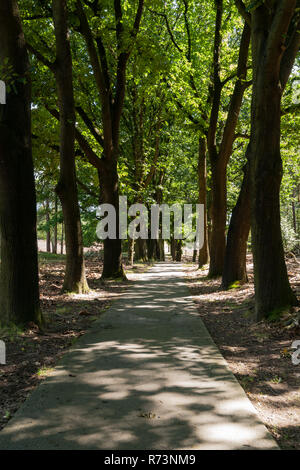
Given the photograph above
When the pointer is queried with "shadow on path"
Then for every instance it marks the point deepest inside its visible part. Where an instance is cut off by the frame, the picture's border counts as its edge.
(147, 376)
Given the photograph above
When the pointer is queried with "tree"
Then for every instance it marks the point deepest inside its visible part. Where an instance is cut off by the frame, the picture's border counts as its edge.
(219, 154)
(203, 257)
(111, 89)
(275, 44)
(19, 290)
(238, 232)
(66, 189)
(219, 99)
(75, 280)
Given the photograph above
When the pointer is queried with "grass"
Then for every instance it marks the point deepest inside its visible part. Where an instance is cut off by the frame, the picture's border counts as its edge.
(63, 309)
(51, 257)
(276, 380)
(247, 382)
(235, 285)
(10, 331)
(7, 415)
(45, 371)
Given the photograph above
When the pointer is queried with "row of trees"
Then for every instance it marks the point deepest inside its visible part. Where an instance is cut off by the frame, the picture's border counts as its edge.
(162, 102)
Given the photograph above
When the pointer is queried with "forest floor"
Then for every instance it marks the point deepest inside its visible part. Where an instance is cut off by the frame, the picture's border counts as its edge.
(259, 354)
(31, 354)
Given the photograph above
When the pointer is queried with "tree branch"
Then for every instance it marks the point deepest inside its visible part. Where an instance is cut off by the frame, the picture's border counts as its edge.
(187, 27)
(89, 124)
(236, 97)
(278, 31)
(156, 155)
(37, 17)
(87, 189)
(243, 11)
(122, 61)
(216, 87)
(163, 15)
(104, 92)
(41, 58)
(240, 135)
(291, 52)
(293, 108)
(83, 143)
(104, 65)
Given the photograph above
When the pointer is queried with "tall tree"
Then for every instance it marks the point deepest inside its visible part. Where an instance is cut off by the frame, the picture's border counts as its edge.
(220, 136)
(275, 44)
(111, 89)
(66, 189)
(219, 154)
(75, 279)
(203, 257)
(19, 291)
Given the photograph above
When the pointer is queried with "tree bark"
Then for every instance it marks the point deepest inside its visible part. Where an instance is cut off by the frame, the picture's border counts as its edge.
(157, 250)
(236, 248)
(204, 251)
(130, 251)
(220, 155)
(62, 239)
(141, 253)
(112, 101)
(55, 227)
(173, 249)
(75, 280)
(19, 289)
(218, 216)
(272, 64)
(178, 252)
(272, 288)
(112, 259)
(48, 235)
(294, 217)
(161, 244)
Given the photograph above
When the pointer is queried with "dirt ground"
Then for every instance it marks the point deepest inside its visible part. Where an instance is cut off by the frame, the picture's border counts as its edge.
(259, 354)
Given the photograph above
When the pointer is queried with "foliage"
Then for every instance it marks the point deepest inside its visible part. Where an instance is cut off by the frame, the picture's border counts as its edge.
(167, 98)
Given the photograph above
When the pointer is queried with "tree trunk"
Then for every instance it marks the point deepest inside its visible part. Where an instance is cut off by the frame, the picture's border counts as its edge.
(218, 215)
(161, 244)
(158, 249)
(141, 253)
(48, 236)
(62, 239)
(75, 280)
(112, 94)
(55, 227)
(150, 249)
(237, 237)
(173, 249)
(19, 289)
(294, 217)
(272, 289)
(130, 251)
(220, 155)
(178, 255)
(204, 251)
(112, 260)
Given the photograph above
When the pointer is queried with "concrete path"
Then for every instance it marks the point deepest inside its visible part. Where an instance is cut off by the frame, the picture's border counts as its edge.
(147, 376)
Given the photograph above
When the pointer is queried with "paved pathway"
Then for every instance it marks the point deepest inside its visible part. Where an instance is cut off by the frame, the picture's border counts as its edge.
(147, 376)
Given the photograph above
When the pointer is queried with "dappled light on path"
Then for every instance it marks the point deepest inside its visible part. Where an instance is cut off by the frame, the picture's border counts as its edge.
(147, 376)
